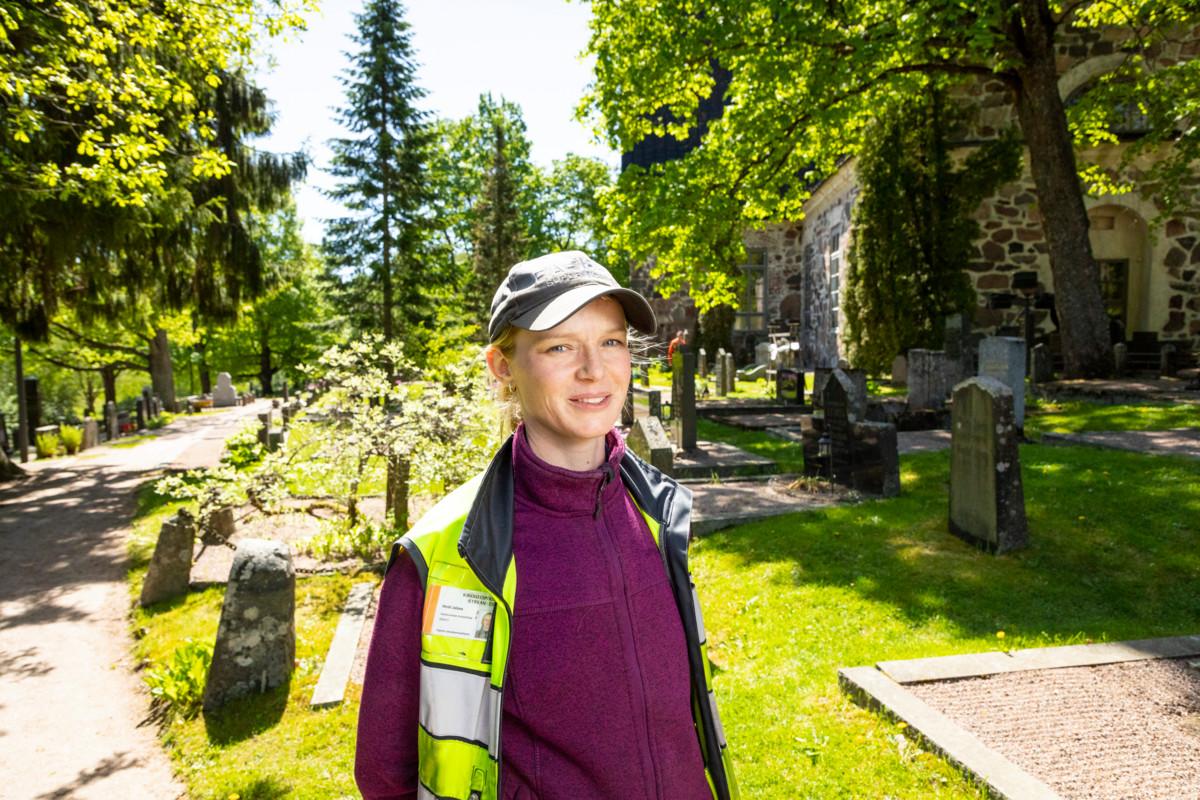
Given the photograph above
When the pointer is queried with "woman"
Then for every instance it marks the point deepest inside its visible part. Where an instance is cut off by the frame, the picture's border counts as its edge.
(591, 680)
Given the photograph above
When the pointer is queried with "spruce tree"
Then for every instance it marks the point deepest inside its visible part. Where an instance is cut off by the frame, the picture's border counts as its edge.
(376, 249)
(499, 234)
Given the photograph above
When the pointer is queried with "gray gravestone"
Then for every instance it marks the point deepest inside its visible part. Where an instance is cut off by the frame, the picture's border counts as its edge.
(719, 367)
(110, 420)
(730, 374)
(223, 393)
(762, 353)
(987, 501)
(141, 414)
(858, 397)
(900, 370)
(702, 362)
(264, 429)
(930, 378)
(954, 344)
(820, 378)
(217, 526)
(1166, 361)
(627, 406)
(256, 637)
(1042, 364)
(156, 404)
(649, 442)
(171, 565)
(1120, 357)
(835, 402)
(1003, 358)
(683, 399)
(91, 434)
(654, 402)
(147, 401)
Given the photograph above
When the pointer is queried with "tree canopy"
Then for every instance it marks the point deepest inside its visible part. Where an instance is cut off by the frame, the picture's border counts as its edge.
(805, 78)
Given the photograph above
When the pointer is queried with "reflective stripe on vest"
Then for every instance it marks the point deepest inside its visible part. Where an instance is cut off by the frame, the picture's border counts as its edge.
(462, 679)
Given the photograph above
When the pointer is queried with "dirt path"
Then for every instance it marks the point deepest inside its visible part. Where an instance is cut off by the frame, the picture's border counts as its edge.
(72, 710)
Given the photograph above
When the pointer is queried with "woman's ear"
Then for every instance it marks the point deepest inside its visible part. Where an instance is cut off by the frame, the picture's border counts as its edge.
(498, 365)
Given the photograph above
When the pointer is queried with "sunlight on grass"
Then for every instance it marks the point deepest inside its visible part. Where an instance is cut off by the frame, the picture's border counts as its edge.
(1079, 417)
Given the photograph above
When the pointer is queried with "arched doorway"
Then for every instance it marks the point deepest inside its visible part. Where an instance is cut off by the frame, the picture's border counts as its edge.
(1121, 247)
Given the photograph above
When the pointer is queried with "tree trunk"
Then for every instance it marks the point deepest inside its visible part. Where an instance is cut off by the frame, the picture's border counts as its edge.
(1084, 324)
(108, 376)
(396, 496)
(89, 394)
(162, 375)
(23, 432)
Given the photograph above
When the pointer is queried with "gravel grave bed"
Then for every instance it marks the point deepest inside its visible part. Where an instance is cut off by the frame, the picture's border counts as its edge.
(1128, 730)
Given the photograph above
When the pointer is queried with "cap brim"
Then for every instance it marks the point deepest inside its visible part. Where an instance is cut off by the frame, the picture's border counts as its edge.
(556, 311)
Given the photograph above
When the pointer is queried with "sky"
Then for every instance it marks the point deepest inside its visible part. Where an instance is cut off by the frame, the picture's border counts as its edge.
(528, 51)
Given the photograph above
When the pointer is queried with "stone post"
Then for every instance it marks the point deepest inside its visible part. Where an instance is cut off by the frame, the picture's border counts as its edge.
(702, 362)
(683, 399)
(91, 434)
(1120, 358)
(141, 414)
(1043, 364)
(256, 637)
(1166, 361)
(264, 429)
(110, 421)
(649, 442)
(171, 565)
(730, 374)
(627, 406)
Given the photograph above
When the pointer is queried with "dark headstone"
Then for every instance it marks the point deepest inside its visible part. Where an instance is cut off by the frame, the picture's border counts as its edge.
(683, 399)
(264, 428)
(1003, 358)
(1042, 363)
(256, 637)
(820, 378)
(285, 390)
(835, 403)
(654, 401)
(1166, 361)
(147, 401)
(1120, 358)
(170, 567)
(276, 439)
(987, 501)
(649, 442)
(930, 378)
(627, 406)
(141, 414)
(789, 386)
(875, 462)
(285, 413)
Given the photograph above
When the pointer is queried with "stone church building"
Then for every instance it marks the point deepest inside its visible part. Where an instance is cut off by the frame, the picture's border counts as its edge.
(795, 271)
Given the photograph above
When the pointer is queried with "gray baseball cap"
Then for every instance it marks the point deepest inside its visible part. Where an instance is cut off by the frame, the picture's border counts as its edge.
(540, 293)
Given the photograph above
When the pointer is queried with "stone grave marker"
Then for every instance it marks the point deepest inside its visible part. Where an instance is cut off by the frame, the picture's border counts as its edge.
(930, 375)
(875, 462)
(256, 637)
(1166, 361)
(170, 567)
(285, 414)
(900, 370)
(987, 501)
(835, 401)
(110, 421)
(91, 434)
(1120, 357)
(730, 374)
(264, 428)
(762, 353)
(285, 390)
(789, 386)
(649, 442)
(147, 401)
(1042, 364)
(858, 397)
(1003, 358)
(223, 393)
(654, 401)
(217, 526)
(702, 362)
(820, 378)
(141, 414)
(720, 366)
(627, 406)
(683, 399)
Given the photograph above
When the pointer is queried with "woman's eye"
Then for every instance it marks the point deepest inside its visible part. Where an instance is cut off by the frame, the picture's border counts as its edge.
(557, 348)
(615, 343)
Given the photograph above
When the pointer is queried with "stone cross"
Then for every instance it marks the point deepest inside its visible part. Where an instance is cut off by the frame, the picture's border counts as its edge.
(110, 420)
(987, 501)
(256, 637)
(1003, 358)
(683, 399)
(649, 442)
(171, 565)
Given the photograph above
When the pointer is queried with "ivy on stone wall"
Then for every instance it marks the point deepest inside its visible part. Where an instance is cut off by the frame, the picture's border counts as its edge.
(914, 227)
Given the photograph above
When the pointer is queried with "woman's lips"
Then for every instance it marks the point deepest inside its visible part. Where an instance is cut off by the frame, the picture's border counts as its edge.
(591, 402)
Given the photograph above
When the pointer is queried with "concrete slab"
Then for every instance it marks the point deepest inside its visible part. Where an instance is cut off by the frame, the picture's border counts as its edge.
(331, 686)
(721, 460)
(1080, 655)
(873, 689)
(716, 506)
(762, 420)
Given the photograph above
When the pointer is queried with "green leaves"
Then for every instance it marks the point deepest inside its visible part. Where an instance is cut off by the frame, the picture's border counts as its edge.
(179, 685)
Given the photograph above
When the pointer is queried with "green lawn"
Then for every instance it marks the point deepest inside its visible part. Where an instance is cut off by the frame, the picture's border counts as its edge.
(1079, 416)
(787, 602)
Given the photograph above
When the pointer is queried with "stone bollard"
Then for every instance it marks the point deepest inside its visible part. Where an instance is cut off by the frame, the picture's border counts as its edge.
(91, 433)
(217, 526)
(256, 638)
(171, 565)
(285, 413)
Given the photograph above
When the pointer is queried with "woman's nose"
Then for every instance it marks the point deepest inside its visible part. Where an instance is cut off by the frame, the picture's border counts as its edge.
(590, 363)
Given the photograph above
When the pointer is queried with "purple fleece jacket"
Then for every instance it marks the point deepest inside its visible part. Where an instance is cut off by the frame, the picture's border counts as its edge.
(597, 699)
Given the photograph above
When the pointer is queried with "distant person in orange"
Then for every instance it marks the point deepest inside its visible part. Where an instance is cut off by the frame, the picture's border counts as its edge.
(679, 340)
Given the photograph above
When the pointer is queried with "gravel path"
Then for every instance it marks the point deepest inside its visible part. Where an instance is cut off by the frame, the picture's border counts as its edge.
(72, 710)
(1175, 442)
(1129, 730)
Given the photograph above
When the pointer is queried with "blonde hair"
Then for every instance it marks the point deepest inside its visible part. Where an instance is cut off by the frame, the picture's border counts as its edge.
(507, 396)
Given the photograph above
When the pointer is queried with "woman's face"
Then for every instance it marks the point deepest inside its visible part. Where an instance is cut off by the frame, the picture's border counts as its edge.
(572, 379)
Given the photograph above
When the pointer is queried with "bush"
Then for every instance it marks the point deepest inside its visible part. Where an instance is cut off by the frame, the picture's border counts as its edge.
(72, 438)
(339, 539)
(47, 445)
(243, 448)
(162, 420)
(179, 686)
